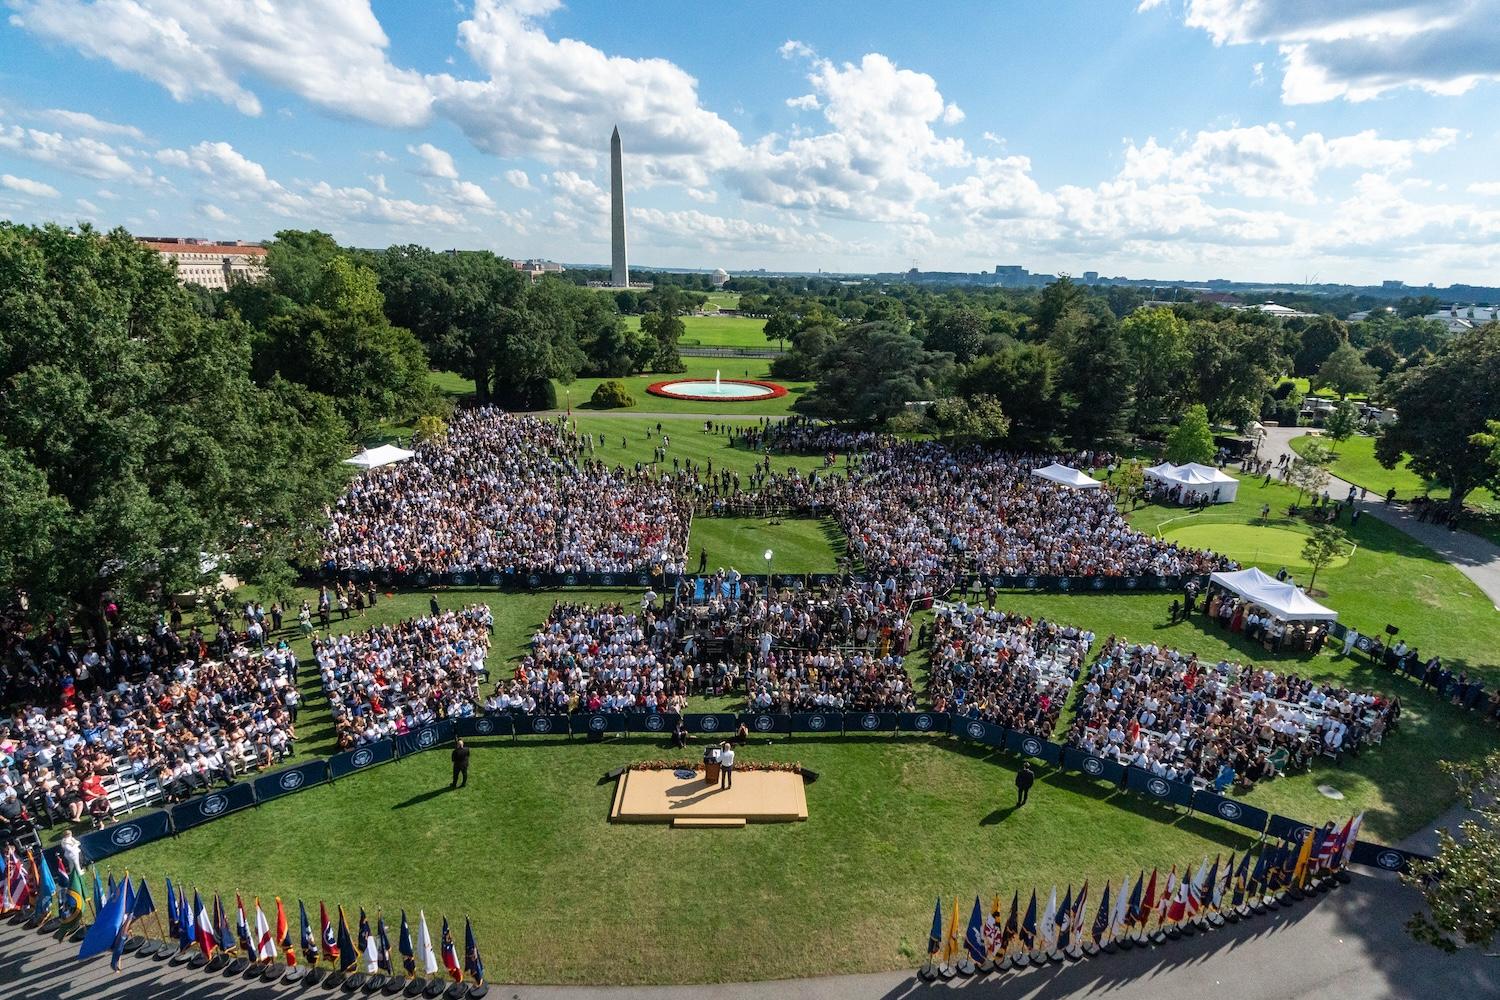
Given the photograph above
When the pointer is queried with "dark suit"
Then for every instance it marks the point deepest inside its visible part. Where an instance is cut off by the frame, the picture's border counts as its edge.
(460, 766)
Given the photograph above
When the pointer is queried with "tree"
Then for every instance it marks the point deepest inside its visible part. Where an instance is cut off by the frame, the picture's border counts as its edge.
(968, 421)
(1316, 452)
(1231, 366)
(1345, 372)
(1057, 300)
(871, 372)
(1025, 376)
(134, 440)
(1460, 885)
(1342, 422)
(960, 332)
(1156, 342)
(429, 427)
(1442, 405)
(1310, 478)
(781, 327)
(1489, 439)
(1192, 440)
(1383, 358)
(664, 330)
(1095, 381)
(1319, 339)
(611, 394)
(1323, 546)
(1131, 478)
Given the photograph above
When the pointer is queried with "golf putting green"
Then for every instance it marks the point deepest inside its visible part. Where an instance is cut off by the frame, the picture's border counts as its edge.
(1269, 547)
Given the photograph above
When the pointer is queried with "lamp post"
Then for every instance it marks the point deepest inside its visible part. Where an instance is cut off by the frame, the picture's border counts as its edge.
(768, 572)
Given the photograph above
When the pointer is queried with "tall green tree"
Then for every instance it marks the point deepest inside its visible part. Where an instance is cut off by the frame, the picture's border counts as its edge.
(134, 442)
(1232, 365)
(1095, 379)
(1025, 378)
(1345, 372)
(1461, 886)
(1342, 422)
(1192, 440)
(781, 327)
(1319, 338)
(1441, 406)
(1157, 344)
(959, 332)
(665, 330)
(871, 372)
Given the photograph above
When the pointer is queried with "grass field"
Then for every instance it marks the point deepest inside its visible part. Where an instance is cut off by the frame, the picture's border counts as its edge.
(717, 331)
(1277, 543)
(799, 545)
(631, 439)
(581, 389)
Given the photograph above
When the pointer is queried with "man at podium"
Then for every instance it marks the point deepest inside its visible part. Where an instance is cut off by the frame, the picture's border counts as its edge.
(711, 764)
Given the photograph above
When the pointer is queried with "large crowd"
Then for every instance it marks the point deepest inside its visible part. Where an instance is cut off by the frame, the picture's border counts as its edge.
(1221, 723)
(514, 493)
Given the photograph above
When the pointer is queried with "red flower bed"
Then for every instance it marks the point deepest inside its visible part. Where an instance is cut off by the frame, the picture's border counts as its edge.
(664, 389)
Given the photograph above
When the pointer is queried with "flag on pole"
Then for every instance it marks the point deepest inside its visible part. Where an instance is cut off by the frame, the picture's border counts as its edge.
(221, 923)
(46, 889)
(329, 938)
(242, 928)
(450, 955)
(173, 927)
(117, 946)
(1102, 919)
(71, 907)
(1176, 909)
(408, 951)
(348, 958)
(1196, 888)
(1119, 919)
(1168, 894)
(1214, 888)
(105, 928)
(1241, 882)
(1148, 903)
(98, 893)
(1080, 914)
(974, 935)
(1221, 886)
(362, 943)
(424, 945)
(1350, 839)
(1063, 935)
(1012, 924)
(204, 926)
(1137, 907)
(383, 946)
(284, 934)
(473, 964)
(1028, 925)
(309, 943)
(935, 935)
(1046, 934)
(992, 928)
(265, 942)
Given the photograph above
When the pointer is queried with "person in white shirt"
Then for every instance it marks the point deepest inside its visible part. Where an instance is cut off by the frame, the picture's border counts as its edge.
(726, 766)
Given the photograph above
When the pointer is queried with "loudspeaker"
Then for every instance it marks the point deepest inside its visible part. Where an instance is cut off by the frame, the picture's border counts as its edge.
(1391, 630)
(808, 777)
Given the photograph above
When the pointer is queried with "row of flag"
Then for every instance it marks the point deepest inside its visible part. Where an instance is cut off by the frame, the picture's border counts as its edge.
(1154, 908)
(29, 886)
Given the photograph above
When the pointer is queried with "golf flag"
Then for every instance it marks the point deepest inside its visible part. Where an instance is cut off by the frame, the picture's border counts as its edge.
(1064, 918)
(383, 949)
(424, 945)
(265, 943)
(330, 941)
(348, 958)
(309, 943)
(935, 936)
(974, 936)
(473, 964)
(1350, 838)
(1102, 919)
(404, 945)
(204, 926)
(1028, 925)
(105, 928)
(450, 955)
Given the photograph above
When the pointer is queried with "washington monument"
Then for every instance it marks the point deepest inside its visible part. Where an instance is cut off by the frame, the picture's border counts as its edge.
(619, 270)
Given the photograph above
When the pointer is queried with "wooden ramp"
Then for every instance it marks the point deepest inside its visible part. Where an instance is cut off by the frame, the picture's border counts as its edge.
(664, 797)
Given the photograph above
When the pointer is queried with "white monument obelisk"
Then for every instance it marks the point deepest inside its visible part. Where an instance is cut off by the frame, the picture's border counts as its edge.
(619, 269)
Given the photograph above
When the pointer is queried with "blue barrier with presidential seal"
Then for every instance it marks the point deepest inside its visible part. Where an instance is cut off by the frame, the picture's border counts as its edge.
(485, 725)
(1032, 746)
(979, 731)
(1287, 829)
(1391, 859)
(870, 722)
(1102, 768)
(205, 808)
(428, 737)
(360, 758)
(1156, 787)
(818, 722)
(598, 722)
(1230, 810)
(651, 722)
(711, 723)
(922, 722)
(290, 779)
(133, 832)
(542, 725)
(767, 723)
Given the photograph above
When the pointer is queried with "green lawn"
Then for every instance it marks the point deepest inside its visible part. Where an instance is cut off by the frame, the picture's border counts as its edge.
(581, 389)
(799, 545)
(724, 300)
(1277, 543)
(558, 894)
(717, 331)
(631, 439)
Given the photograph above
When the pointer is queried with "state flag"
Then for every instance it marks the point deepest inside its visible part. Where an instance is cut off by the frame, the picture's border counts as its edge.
(474, 965)
(424, 945)
(1102, 918)
(1028, 925)
(935, 935)
(974, 934)
(404, 945)
(348, 957)
(450, 955)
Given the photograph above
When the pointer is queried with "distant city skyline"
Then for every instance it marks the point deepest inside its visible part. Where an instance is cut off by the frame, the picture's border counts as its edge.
(1255, 140)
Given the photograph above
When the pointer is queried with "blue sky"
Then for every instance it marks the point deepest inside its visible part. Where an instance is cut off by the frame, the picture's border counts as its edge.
(1353, 140)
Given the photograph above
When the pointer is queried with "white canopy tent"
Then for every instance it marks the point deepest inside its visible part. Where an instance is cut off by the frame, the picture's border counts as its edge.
(374, 458)
(1071, 478)
(1284, 600)
(1196, 478)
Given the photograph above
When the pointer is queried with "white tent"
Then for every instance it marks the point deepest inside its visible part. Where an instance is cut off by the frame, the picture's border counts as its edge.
(373, 458)
(1196, 478)
(1067, 477)
(1284, 600)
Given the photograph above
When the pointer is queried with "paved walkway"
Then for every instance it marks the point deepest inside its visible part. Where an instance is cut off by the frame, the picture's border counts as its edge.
(1475, 557)
(1347, 944)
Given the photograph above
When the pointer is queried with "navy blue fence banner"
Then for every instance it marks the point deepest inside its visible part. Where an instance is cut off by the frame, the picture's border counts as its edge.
(651, 722)
(1287, 829)
(379, 752)
(1230, 810)
(290, 779)
(711, 723)
(541, 725)
(1392, 859)
(1161, 789)
(767, 722)
(1102, 768)
(134, 832)
(869, 722)
(1032, 746)
(484, 725)
(432, 735)
(923, 722)
(979, 731)
(204, 808)
(817, 722)
(598, 722)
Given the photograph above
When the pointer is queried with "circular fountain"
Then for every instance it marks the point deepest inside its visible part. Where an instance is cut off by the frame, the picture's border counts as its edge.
(733, 390)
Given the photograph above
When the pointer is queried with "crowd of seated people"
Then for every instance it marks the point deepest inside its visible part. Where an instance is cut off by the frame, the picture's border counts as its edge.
(396, 678)
(137, 719)
(508, 493)
(1004, 668)
(1222, 723)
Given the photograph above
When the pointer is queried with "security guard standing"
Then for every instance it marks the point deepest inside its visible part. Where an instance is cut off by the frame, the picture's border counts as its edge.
(460, 764)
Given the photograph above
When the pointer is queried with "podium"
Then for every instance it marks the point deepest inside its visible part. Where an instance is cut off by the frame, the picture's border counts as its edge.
(711, 772)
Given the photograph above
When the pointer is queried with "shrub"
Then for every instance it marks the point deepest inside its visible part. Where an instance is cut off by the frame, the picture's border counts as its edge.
(611, 395)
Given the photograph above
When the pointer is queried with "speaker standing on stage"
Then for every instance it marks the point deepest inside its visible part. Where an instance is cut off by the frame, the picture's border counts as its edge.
(726, 766)
(460, 764)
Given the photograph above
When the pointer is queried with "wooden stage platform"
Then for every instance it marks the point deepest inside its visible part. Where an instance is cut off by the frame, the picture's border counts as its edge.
(664, 797)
